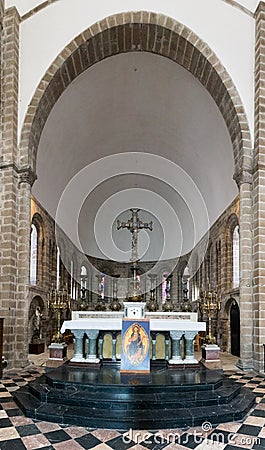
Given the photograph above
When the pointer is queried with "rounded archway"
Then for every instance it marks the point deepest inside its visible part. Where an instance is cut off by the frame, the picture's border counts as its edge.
(235, 328)
(138, 32)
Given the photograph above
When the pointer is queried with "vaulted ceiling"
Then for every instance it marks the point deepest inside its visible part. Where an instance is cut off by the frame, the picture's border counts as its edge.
(173, 156)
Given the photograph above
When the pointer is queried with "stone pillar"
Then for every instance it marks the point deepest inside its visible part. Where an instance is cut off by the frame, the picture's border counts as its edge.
(258, 312)
(244, 181)
(100, 348)
(92, 335)
(16, 180)
(167, 348)
(154, 348)
(189, 357)
(78, 346)
(87, 347)
(26, 179)
(114, 341)
(176, 337)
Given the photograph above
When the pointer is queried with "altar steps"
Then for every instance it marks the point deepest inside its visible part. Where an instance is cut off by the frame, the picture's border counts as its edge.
(125, 401)
(58, 397)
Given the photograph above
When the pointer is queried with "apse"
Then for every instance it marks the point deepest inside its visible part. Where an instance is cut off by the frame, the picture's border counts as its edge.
(135, 130)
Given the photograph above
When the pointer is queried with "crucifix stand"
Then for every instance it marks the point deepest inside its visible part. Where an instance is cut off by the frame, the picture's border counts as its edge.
(135, 307)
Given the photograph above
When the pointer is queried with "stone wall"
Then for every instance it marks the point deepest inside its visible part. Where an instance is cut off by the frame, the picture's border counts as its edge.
(216, 269)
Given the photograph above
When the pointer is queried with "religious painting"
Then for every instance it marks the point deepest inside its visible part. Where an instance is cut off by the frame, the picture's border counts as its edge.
(135, 346)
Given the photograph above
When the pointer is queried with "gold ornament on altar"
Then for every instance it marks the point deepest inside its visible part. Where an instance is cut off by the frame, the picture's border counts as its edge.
(209, 303)
(58, 301)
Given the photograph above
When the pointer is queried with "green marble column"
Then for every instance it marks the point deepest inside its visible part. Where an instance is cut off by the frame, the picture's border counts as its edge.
(189, 357)
(78, 345)
(92, 356)
(176, 337)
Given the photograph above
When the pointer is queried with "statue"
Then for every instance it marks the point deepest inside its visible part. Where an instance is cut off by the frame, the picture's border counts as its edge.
(36, 323)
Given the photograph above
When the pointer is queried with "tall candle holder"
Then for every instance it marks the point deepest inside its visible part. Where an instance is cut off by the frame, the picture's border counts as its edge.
(152, 305)
(83, 300)
(168, 305)
(100, 306)
(210, 304)
(115, 304)
(58, 301)
(186, 304)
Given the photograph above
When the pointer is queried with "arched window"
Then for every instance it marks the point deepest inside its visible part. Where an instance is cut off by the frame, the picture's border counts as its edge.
(164, 286)
(33, 254)
(102, 286)
(73, 282)
(186, 283)
(83, 281)
(236, 257)
(83, 277)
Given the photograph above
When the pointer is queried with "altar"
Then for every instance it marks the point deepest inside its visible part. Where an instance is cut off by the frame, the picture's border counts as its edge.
(95, 393)
(87, 326)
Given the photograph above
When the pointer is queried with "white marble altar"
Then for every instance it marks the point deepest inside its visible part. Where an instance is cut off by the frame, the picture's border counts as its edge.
(88, 324)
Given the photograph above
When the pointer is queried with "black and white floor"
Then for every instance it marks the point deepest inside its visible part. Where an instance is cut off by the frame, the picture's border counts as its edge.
(18, 432)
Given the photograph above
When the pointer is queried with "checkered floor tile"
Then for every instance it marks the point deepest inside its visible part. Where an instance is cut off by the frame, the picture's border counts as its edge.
(18, 432)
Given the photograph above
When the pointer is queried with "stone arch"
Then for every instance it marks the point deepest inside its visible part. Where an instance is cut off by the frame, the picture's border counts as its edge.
(225, 322)
(138, 31)
(39, 223)
(34, 327)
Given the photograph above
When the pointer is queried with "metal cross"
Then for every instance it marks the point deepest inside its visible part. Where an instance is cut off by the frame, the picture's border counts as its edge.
(134, 225)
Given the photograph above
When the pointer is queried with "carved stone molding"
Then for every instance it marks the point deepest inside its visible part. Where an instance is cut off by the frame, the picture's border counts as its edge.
(243, 177)
(27, 176)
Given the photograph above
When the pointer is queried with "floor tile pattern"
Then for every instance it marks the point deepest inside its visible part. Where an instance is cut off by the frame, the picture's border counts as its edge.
(21, 433)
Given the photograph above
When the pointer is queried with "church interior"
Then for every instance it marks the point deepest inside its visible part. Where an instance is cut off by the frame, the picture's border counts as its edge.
(132, 185)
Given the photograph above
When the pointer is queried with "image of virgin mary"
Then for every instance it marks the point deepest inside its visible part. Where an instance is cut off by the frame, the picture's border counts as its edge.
(136, 344)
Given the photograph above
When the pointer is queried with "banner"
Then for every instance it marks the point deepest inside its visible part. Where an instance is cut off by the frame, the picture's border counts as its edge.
(135, 355)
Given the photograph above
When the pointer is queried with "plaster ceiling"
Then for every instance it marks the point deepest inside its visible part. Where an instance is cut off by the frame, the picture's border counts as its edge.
(172, 155)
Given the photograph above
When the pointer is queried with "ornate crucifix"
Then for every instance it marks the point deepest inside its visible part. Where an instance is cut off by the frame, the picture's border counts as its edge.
(134, 225)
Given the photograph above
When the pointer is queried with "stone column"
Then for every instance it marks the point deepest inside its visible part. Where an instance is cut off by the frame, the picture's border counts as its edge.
(100, 348)
(87, 347)
(256, 314)
(189, 357)
(176, 337)
(15, 182)
(92, 335)
(244, 181)
(167, 348)
(78, 346)
(114, 341)
(26, 179)
(154, 348)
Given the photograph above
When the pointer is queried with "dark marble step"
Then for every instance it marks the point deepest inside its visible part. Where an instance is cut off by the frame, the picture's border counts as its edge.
(107, 378)
(112, 400)
(136, 419)
(105, 398)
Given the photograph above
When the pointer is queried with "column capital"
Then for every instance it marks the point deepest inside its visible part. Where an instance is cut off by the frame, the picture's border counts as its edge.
(78, 334)
(243, 176)
(27, 175)
(176, 334)
(92, 334)
(190, 334)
